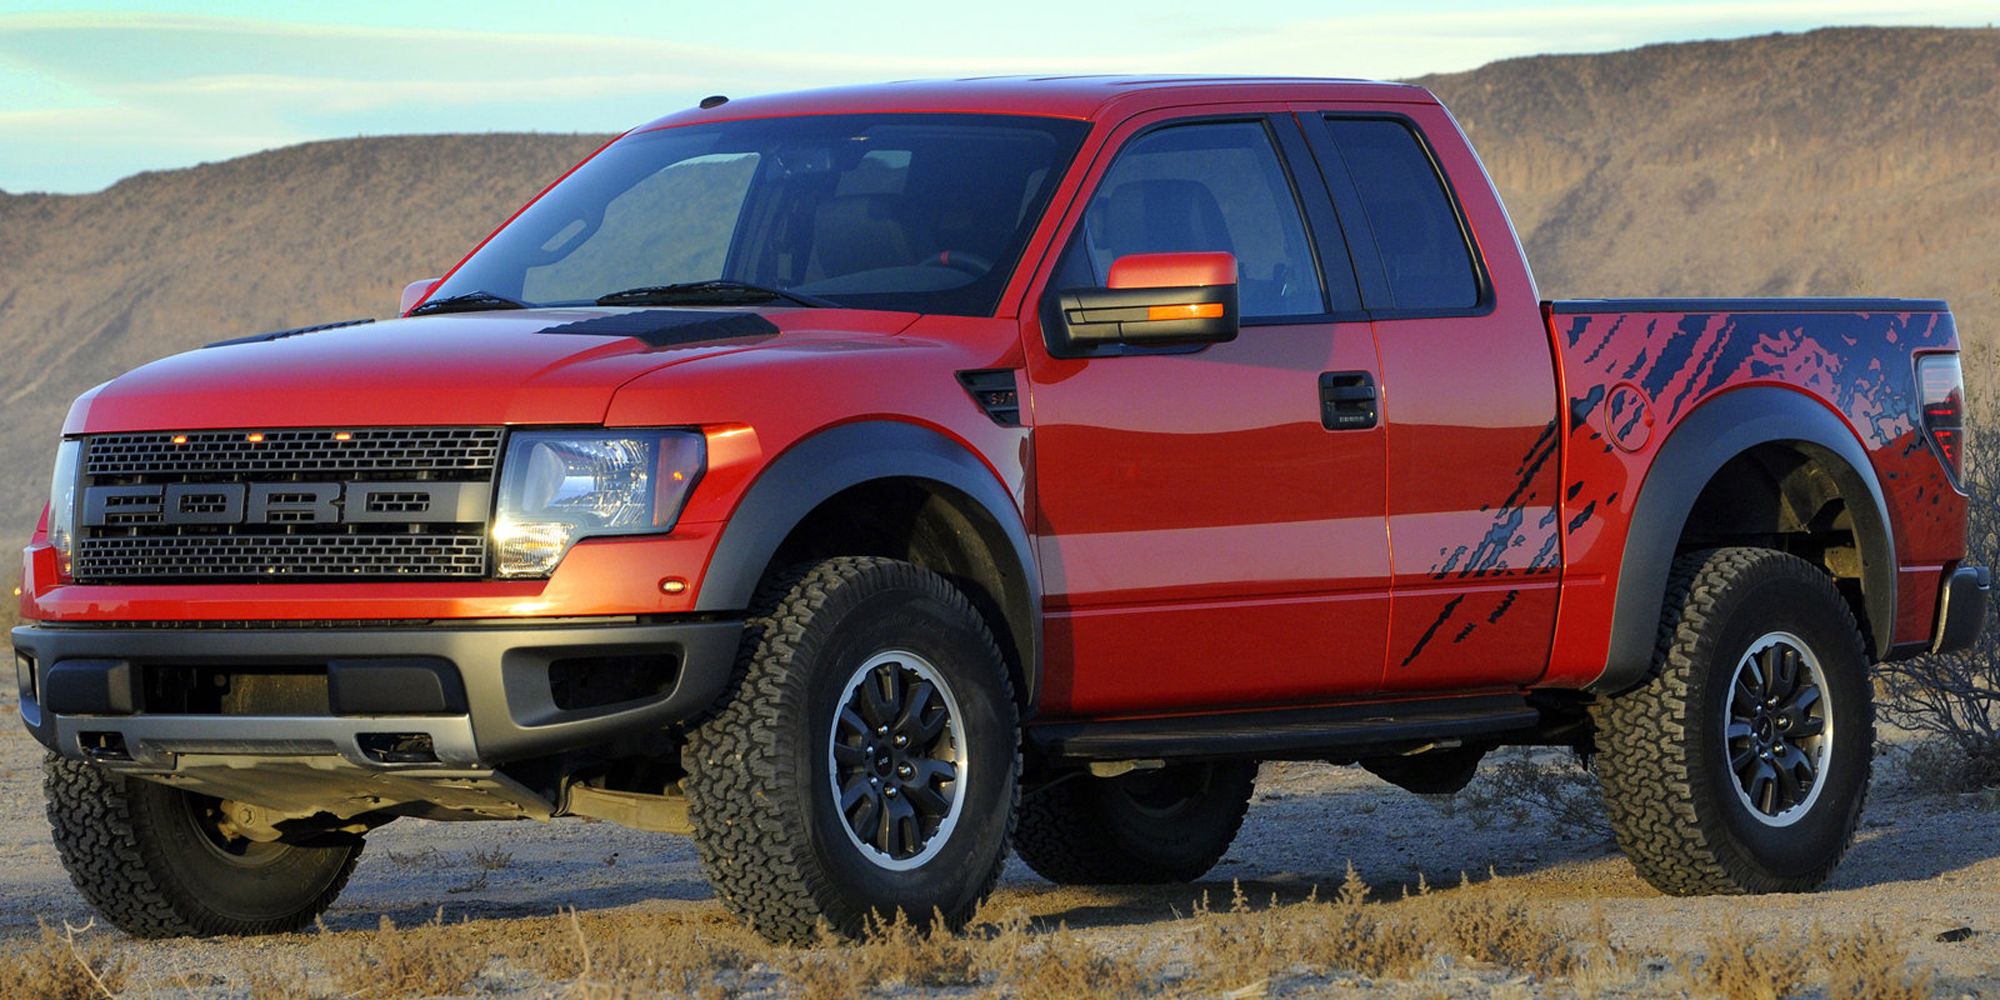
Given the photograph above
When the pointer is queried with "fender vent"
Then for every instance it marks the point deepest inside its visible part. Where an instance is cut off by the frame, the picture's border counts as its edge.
(672, 327)
(996, 392)
(258, 338)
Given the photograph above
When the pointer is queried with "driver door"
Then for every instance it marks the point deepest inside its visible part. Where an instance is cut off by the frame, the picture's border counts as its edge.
(1206, 541)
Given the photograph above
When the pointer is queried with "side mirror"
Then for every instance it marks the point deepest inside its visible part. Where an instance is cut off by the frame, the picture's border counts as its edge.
(414, 293)
(1153, 299)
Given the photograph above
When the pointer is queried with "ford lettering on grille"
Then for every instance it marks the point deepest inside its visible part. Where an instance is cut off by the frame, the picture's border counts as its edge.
(284, 503)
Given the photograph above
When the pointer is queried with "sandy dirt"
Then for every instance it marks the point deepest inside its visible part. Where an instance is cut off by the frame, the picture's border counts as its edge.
(1923, 865)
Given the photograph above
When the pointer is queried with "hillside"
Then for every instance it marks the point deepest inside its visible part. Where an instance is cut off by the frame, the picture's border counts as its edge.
(1854, 161)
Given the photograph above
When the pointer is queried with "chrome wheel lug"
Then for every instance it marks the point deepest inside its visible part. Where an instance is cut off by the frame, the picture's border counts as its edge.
(891, 792)
(881, 730)
(902, 741)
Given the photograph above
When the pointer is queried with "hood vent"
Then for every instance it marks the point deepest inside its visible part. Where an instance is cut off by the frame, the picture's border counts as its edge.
(672, 327)
(259, 338)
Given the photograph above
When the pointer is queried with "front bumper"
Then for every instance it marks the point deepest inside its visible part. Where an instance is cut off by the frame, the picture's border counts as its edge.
(1961, 609)
(433, 698)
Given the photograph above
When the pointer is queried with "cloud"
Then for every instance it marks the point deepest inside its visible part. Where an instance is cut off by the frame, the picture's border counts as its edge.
(184, 87)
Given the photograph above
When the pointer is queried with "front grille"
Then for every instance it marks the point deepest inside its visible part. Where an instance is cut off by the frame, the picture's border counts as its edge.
(275, 454)
(312, 504)
(239, 556)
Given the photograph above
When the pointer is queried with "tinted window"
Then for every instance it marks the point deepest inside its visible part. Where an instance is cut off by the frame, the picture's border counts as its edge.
(1210, 186)
(1410, 217)
(919, 213)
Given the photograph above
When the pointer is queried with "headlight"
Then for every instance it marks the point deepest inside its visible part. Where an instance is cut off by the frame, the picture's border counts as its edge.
(62, 505)
(560, 486)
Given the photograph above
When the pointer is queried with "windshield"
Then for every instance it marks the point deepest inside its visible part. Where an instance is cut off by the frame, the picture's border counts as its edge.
(917, 213)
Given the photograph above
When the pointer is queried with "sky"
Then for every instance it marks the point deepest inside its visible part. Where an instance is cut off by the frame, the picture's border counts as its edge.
(93, 92)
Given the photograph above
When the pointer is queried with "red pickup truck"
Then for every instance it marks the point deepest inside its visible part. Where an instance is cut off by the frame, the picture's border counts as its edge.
(869, 480)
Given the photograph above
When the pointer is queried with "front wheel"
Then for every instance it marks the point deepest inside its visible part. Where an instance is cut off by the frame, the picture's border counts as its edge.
(160, 862)
(867, 759)
(1741, 766)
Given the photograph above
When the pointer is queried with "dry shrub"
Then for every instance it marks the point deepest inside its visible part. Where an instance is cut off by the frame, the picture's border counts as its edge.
(1869, 966)
(1599, 965)
(1508, 933)
(59, 967)
(1740, 965)
(621, 955)
(10, 601)
(1059, 964)
(1523, 784)
(1943, 766)
(426, 960)
(892, 952)
(1864, 965)
(1244, 945)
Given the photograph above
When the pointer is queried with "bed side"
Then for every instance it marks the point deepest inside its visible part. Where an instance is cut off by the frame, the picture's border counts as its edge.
(1799, 412)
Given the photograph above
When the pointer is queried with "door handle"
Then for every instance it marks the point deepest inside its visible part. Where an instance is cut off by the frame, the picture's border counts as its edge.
(1346, 401)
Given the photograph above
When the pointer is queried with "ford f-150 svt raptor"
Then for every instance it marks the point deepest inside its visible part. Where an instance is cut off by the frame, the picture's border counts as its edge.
(870, 480)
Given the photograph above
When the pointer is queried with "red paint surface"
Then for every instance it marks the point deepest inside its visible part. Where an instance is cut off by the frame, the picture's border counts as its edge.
(1203, 542)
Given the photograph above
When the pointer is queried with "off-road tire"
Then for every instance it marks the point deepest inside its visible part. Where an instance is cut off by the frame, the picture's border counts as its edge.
(772, 839)
(1141, 827)
(136, 852)
(1662, 760)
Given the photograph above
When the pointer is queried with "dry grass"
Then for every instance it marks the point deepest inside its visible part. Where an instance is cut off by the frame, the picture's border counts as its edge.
(1865, 965)
(1870, 966)
(69, 965)
(426, 960)
(1490, 934)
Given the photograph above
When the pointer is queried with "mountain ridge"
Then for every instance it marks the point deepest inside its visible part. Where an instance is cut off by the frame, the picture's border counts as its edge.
(1836, 162)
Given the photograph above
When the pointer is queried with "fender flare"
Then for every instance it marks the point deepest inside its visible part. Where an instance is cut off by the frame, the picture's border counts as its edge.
(830, 461)
(1700, 445)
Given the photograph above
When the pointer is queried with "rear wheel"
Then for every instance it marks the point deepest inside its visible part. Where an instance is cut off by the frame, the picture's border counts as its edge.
(1742, 765)
(160, 862)
(867, 760)
(1171, 824)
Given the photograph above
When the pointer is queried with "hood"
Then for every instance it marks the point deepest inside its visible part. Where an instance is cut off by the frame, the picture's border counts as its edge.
(531, 366)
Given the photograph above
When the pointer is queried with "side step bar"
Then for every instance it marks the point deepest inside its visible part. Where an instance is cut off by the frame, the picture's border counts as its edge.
(1339, 731)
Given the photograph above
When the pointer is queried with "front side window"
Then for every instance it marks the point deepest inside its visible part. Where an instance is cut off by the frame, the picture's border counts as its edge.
(917, 213)
(1208, 186)
(1410, 216)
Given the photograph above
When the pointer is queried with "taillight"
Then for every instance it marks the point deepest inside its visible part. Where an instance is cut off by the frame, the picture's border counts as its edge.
(1942, 385)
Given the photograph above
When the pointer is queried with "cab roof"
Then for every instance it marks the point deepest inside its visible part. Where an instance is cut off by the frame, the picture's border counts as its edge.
(1079, 97)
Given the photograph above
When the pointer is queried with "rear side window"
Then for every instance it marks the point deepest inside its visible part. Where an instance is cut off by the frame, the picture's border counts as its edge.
(1409, 215)
(1201, 187)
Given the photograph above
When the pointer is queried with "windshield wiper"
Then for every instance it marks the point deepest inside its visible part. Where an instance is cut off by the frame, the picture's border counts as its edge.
(718, 291)
(469, 302)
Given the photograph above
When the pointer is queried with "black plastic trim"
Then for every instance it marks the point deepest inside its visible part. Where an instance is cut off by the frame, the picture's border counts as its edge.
(662, 328)
(1565, 307)
(1291, 733)
(1962, 609)
(997, 391)
(816, 469)
(503, 672)
(1705, 441)
(259, 338)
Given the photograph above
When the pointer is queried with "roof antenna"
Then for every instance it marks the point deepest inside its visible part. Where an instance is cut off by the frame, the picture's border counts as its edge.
(713, 101)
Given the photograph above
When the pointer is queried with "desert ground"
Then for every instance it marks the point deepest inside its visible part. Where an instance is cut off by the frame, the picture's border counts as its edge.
(502, 899)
